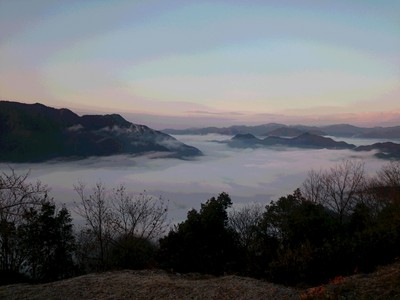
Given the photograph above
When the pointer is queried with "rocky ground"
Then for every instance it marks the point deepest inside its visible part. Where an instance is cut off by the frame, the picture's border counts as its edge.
(157, 284)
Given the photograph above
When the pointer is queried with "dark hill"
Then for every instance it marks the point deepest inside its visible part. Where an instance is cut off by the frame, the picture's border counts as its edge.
(232, 130)
(244, 136)
(35, 132)
(343, 130)
(382, 133)
(305, 140)
(308, 140)
(274, 129)
(285, 132)
(386, 150)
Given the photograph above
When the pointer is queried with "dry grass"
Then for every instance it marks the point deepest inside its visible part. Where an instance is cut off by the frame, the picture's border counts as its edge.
(149, 284)
(382, 284)
(157, 284)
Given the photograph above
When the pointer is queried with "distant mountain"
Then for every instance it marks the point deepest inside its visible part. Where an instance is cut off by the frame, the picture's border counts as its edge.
(308, 140)
(35, 132)
(245, 137)
(285, 132)
(305, 140)
(274, 129)
(290, 131)
(343, 130)
(382, 133)
(259, 130)
(386, 150)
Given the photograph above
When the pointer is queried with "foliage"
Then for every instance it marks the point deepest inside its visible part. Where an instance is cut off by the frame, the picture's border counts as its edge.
(36, 241)
(202, 243)
(48, 243)
(344, 223)
(130, 252)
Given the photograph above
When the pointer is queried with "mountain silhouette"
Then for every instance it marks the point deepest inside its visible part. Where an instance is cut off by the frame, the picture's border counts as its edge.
(35, 132)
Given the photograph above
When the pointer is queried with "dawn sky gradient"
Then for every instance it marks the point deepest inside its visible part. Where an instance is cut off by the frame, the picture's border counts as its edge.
(206, 62)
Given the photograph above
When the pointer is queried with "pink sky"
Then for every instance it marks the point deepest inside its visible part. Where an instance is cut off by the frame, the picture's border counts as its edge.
(197, 63)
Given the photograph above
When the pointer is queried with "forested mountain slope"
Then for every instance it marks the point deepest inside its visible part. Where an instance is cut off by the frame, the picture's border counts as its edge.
(35, 132)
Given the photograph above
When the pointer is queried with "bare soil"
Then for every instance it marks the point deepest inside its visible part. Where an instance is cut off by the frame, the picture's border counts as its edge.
(157, 284)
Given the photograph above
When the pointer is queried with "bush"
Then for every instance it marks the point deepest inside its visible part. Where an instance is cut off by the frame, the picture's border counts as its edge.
(130, 252)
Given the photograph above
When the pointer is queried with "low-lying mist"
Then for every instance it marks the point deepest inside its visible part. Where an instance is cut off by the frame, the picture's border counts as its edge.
(247, 175)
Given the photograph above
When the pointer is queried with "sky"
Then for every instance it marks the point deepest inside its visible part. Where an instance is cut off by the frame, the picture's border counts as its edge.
(197, 63)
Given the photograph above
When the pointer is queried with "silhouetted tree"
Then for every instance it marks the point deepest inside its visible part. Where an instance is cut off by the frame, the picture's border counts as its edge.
(96, 211)
(204, 242)
(245, 221)
(386, 185)
(300, 229)
(141, 216)
(117, 222)
(339, 189)
(17, 196)
(47, 242)
(130, 252)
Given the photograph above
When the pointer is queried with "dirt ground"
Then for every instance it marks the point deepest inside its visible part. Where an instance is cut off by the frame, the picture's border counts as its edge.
(157, 284)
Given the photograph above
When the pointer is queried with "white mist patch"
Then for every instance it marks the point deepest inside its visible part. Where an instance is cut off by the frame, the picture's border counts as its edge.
(247, 175)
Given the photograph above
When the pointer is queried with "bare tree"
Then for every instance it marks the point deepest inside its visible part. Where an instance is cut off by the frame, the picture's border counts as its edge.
(142, 216)
(115, 215)
(17, 196)
(95, 209)
(389, 175)
(313, 187)
(339, 189)
(245, 221)
(384, 188)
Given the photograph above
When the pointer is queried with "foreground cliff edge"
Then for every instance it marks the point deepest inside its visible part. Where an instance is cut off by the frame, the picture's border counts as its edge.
(35, 133)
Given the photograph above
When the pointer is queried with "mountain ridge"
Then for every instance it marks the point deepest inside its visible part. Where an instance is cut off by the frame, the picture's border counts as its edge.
(35, 132)
(337, 130)
(304, 140)
(385, 150)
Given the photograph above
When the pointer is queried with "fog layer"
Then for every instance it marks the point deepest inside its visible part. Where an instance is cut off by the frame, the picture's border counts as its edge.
(247, 175)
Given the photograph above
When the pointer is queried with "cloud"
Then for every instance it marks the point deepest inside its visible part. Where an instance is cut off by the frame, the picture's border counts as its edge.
(248, 175)
(204, 112)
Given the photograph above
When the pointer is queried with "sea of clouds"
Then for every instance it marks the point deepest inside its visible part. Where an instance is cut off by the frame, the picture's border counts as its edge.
(247, 175)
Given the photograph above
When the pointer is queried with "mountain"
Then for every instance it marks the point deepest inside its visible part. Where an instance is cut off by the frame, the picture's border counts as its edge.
(232, 130)
(244, 140)
(385, 150)
(343, 130)
(245, 137)
(305, 140)
(274, 129)
(35, 132)
(309, 140)
(293, 131)
(285, 132)
(382, 133)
